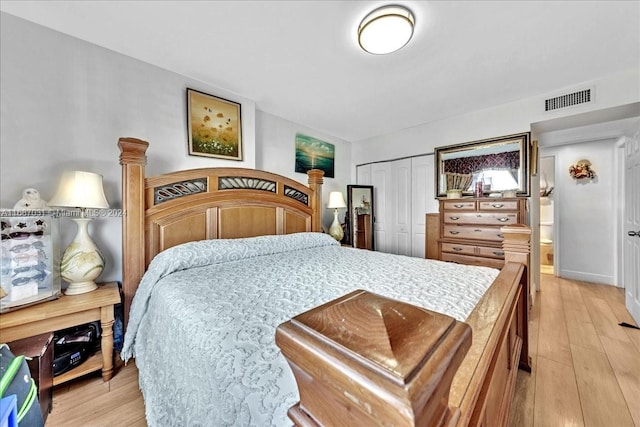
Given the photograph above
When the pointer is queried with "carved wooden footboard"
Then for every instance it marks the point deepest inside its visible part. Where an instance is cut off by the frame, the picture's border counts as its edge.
(364, 360)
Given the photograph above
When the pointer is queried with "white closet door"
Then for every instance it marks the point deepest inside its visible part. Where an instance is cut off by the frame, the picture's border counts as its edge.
(381, 180)
(401, 232)
(363, 175)
(403, 193)
(422, 201)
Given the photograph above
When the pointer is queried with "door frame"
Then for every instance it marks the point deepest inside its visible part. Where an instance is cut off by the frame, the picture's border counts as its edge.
(556, 215)
(619, 200)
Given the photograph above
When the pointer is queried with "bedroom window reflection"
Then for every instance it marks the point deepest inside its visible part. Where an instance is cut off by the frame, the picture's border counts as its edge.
(494, 180)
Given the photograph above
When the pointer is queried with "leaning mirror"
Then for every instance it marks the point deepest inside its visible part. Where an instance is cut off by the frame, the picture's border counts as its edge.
(360, 216)
(502, 164)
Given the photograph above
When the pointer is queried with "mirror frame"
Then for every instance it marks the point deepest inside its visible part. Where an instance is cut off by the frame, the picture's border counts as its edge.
(350, 213)
(523, 139)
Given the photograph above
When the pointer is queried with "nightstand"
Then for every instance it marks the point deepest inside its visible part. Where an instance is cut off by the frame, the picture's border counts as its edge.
(65, 312)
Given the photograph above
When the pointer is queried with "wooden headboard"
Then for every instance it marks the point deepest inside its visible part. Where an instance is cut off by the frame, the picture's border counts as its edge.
(208, 203)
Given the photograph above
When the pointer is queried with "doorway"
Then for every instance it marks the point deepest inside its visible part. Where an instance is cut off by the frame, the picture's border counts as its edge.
(547, 184)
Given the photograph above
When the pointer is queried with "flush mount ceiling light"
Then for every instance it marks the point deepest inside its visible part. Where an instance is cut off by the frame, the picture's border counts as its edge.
(386, 29)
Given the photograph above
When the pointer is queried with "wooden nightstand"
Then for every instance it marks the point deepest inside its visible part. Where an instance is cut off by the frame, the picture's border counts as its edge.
(65, 312)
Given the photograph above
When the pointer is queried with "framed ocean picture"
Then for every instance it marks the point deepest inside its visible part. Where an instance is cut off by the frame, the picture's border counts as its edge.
(311, 153)
(215, 127)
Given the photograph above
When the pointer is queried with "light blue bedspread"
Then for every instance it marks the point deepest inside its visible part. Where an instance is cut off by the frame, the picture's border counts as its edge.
(202, 323)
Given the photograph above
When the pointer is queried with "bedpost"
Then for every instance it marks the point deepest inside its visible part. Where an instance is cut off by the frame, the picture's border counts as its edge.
(516, 243)
(516, 248)
(364, 360)
(133, 160)
(315, 183)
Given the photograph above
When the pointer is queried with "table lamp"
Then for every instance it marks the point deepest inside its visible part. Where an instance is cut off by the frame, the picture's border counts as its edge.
(82, 262)
(336, 201)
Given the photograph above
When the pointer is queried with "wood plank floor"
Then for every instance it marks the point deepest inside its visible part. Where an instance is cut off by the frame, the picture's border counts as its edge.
(586, 369)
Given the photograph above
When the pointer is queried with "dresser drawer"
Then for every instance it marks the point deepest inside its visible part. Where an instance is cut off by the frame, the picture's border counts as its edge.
(502, 205)
(489, 218)
(490, 252)
(474, 250)
(459, 249)
(471, 232)
(472, 260)
(459, 206)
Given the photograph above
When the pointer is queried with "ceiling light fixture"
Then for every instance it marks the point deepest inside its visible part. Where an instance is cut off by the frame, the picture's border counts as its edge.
(386, 29)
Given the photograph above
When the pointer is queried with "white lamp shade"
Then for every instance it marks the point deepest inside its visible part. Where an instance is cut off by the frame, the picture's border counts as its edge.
(386, 29)
(79, 189)
(336, 200)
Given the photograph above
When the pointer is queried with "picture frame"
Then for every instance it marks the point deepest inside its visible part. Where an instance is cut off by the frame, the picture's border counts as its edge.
(214, 126)
(312, 153)
(459, 167)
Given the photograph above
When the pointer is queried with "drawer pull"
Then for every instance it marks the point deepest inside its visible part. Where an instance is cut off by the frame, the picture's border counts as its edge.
(498, 253)
(458, 205)
(477, 230)
(454, 232)
(497, 205)
(500, 235)
(457, 249)
(503, 219)
(454, 218)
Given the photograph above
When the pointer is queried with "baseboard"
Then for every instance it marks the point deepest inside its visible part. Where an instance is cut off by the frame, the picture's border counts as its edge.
(587, 277)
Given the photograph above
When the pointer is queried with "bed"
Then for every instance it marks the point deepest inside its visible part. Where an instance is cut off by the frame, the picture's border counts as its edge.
(217, 258)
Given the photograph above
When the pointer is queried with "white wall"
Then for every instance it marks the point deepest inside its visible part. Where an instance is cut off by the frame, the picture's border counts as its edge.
(615, 97)
(65, 102)
(275, 152)
(585, 212)
(611, 91)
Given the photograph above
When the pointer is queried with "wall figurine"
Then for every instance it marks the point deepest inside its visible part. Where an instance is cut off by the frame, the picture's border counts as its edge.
(582, 170)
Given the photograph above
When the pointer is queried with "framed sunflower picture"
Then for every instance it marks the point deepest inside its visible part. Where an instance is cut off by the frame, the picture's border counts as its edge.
(215, 127)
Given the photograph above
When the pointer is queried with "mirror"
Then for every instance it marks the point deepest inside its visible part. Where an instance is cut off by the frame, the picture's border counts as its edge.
(502, 164)
(360, 216)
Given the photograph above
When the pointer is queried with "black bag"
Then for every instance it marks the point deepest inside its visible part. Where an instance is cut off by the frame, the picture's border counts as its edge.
(73, 346)
(15, 378)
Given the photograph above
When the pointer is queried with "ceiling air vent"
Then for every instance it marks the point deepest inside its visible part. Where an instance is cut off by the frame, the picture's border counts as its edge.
(563, 101)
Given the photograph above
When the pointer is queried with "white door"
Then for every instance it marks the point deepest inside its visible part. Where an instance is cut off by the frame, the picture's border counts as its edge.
(422, 201)
(632, 226)
(381, 181)
(401, 232)
(363, 175)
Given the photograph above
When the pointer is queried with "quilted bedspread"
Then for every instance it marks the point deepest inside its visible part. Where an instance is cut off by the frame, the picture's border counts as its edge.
(202, 323)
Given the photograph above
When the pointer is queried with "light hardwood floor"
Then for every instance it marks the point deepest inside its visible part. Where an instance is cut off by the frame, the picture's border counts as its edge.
(586, 369)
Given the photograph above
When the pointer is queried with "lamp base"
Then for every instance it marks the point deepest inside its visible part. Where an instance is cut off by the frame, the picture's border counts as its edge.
(335, 230)
(80, 288)
(81, 262)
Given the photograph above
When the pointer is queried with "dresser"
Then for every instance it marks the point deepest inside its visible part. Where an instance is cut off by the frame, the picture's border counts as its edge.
(470, 228)
(363, 232)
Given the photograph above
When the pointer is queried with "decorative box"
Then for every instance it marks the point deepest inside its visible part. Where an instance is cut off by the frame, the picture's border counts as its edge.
(29, 257)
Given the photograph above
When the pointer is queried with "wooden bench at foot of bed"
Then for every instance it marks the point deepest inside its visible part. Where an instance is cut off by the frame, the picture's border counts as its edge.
(365, 360)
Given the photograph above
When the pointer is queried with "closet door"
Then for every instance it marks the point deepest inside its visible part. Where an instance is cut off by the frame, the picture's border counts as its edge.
(404, 192)
(381, 180)
(363, 175)
(401, 199)
(422, 201)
